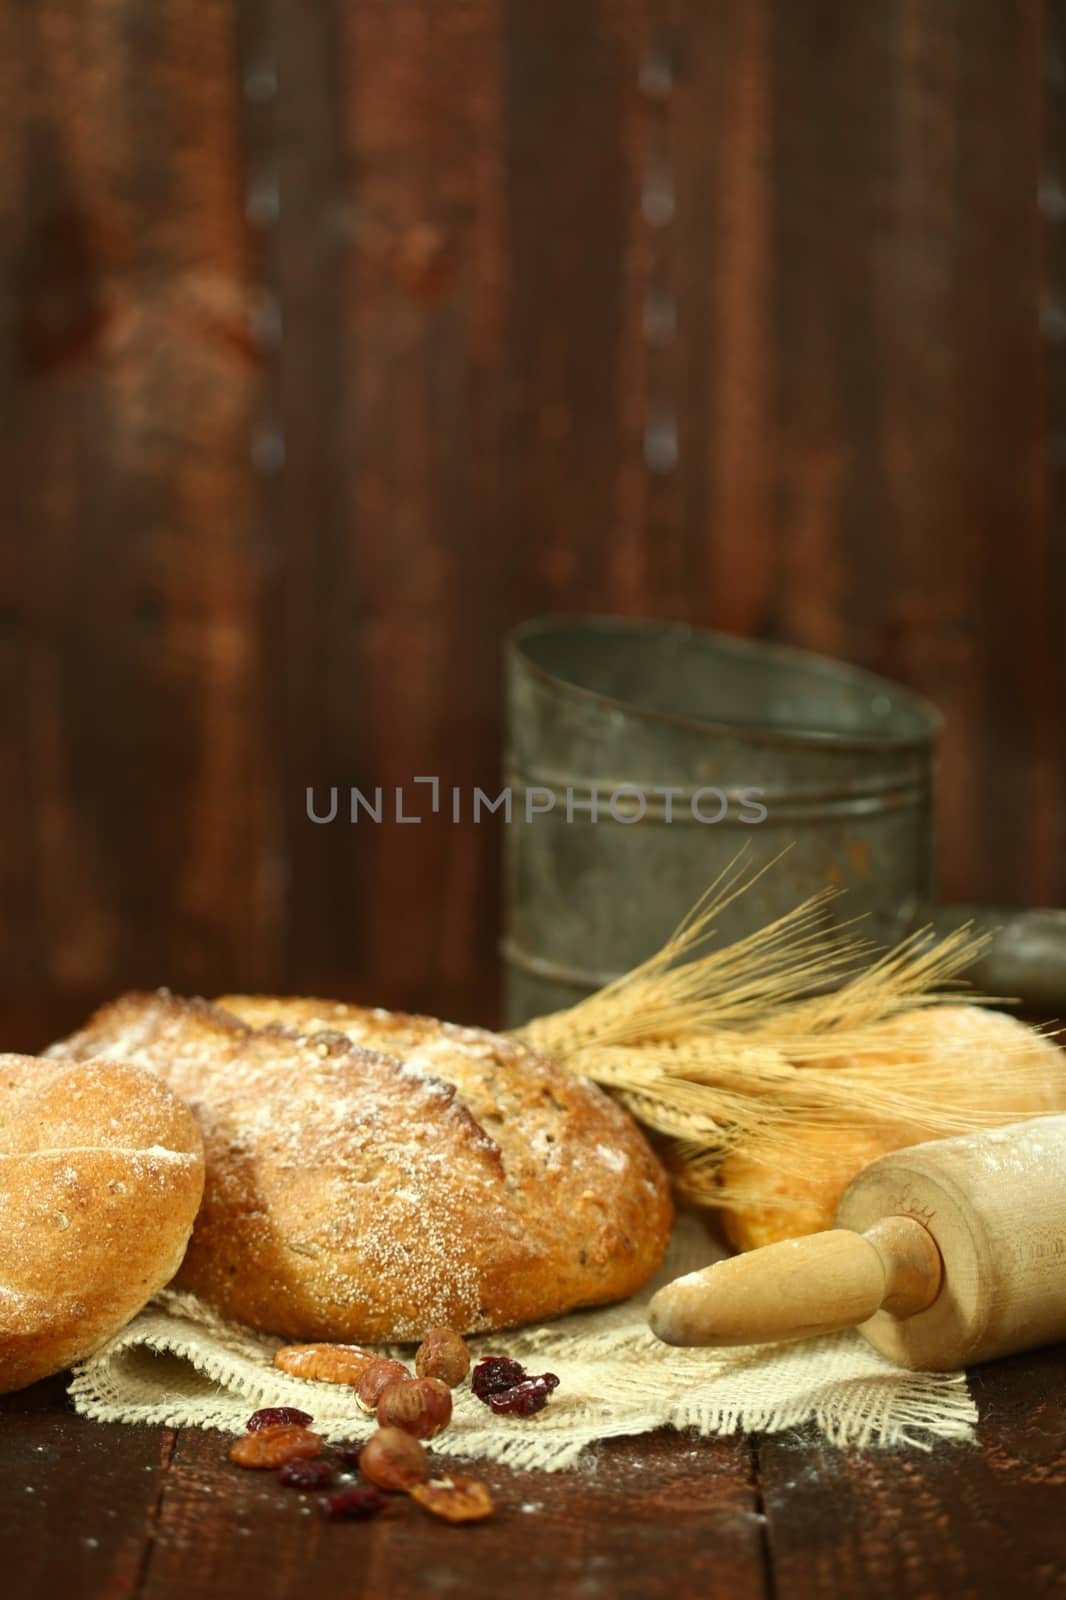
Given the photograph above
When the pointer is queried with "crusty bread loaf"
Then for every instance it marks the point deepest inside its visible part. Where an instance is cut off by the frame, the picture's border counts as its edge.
(353, 1195)
(101, 1173)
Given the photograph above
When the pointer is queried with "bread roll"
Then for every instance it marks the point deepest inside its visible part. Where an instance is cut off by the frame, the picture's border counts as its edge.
(786, 1201)
(101, 1172)
(1004, 1071)
(355, 1196)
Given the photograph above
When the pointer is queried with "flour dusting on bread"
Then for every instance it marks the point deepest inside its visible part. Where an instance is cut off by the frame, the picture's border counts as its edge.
(371, 1174)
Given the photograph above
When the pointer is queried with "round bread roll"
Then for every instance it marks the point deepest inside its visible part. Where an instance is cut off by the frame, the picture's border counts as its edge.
(101, 1173)
(996, 1066)
(459, 1180)
(788, 1202)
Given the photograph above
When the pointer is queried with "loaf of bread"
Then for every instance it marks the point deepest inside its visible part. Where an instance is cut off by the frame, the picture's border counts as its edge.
(993, 1066)
(445, 1176)
(101, 1173)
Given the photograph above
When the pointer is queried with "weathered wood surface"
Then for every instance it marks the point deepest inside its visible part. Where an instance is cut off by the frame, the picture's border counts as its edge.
(333, 339)
(101, 1511)
(961, 1521)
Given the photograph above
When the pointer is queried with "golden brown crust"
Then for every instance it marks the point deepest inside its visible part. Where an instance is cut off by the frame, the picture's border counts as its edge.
(788, 1202)
(458, 1180)
(101, 1173)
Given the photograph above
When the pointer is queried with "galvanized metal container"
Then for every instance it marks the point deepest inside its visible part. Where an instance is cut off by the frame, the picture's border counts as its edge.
(661, 728)
(784, 748)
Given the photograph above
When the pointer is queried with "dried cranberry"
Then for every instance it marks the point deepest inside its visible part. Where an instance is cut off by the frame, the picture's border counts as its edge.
(350, 1453)
(347, 1505)
(523, 1399)
(306, 1474)
(494, 1374)
(276, 1417)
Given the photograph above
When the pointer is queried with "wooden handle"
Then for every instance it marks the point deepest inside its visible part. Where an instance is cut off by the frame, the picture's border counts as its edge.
(802, 1287)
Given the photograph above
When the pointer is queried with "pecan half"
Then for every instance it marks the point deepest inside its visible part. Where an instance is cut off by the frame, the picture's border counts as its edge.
(454, 1499)
(329, 1363)
(272, 1447)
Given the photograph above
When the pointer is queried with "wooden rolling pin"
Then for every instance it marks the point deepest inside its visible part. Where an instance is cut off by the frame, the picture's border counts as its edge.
(944, 1254)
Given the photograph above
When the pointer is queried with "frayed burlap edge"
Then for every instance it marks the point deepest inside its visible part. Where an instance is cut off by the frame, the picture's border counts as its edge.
(179, 1365)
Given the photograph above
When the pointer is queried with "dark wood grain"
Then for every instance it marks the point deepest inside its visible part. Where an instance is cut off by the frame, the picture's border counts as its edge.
(392, 280)
(102, 1511)
(335, 339)
(656, 1517)
(866, 453)
(133, 571)
(968, 1520)
(77, 1499)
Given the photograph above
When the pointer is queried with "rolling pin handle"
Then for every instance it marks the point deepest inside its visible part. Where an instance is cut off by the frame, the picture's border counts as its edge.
(801, 1287)
(914, 1271)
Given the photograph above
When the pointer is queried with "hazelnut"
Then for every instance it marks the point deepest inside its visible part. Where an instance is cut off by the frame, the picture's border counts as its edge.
(442, 1354)
(422, 1407)
(377, 1377)
(393, 1459)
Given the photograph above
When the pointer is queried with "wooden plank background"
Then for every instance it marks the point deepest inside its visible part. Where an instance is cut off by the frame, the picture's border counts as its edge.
(335, 339)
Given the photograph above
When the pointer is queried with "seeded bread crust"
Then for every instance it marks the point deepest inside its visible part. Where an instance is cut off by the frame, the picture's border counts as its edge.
(101, 1172)
(370, 1174)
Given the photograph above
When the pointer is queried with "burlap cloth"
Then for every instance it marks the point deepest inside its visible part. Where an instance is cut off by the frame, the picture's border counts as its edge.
(180, 1365)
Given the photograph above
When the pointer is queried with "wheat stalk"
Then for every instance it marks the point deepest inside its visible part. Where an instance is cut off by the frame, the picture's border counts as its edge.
(747, 1046)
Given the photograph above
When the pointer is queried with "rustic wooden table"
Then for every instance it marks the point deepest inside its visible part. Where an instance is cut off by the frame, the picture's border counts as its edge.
(91, 1510)
(99, 1512)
